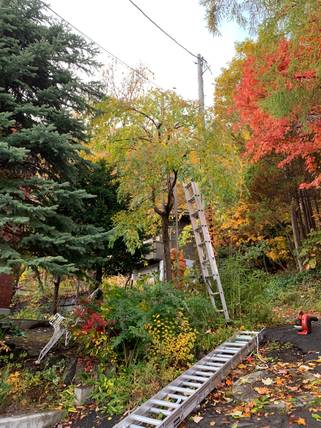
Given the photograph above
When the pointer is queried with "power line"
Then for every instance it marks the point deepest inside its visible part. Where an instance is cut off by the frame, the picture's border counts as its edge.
(100, 46)
(195, 56)
(162, 29)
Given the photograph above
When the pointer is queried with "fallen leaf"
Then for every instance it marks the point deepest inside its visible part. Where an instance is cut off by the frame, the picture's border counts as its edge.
(267, 381)
(293, 388)
(197, 419)
(236, 414)
(212, 423)
(315, 416)
(304, 368)
(242, 366)
(261, 391)
(282, 371)
(235, 425)
(299, 421)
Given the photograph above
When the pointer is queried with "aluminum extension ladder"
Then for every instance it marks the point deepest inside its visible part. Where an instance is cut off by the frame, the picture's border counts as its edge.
(204, 246)
(178, 399)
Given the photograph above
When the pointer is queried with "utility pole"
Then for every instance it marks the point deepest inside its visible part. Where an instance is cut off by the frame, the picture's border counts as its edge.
(200, 81)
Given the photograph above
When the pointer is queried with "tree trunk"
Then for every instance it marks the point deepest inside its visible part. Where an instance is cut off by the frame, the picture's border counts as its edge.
(302, 210)
(56, 295)
(291, 246)
(99, 275)
(164, 213)
(166, 247)
(77, 291)
(317, 211)
(264, 262)
(296, 237)
(302, 229)
(311, 214)
(306, 214)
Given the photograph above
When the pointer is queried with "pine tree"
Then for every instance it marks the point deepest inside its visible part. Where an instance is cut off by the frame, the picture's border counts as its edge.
(100, 211)
(42, 133)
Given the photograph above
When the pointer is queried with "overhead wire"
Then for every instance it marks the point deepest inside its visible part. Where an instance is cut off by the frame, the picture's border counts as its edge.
(168, 35)
(100, 46)
(162, 29)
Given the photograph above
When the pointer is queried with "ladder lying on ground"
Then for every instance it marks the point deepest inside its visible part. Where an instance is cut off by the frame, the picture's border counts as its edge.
(178, 399)
(204, 246)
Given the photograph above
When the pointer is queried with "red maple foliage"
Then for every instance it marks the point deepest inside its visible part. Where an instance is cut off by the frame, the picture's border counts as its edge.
(292, 69)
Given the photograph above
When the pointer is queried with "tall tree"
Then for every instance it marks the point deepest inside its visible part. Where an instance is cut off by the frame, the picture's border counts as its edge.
(42, 134)
(154, 140)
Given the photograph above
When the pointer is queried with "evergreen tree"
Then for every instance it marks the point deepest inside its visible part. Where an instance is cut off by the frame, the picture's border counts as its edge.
(42, 132)
(101, 182)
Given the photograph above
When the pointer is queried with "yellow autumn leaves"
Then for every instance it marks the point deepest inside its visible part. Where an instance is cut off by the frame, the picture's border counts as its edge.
(171, 340)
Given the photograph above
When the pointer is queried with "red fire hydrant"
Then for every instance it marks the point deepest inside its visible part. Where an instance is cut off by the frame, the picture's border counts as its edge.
(303, 322)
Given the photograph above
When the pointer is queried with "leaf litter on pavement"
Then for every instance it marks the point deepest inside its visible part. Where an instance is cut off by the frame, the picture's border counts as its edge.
(285, 385)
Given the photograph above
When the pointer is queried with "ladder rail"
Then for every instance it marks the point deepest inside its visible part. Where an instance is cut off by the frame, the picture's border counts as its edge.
(176, 412)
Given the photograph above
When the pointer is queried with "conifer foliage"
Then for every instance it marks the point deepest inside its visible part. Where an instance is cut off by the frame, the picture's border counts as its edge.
(42, 104)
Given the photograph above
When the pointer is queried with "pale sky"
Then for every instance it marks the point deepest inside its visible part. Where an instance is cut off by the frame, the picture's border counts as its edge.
(122, 29)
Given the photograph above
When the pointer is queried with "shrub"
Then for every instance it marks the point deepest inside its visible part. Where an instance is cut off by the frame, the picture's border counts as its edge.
(172, 341)
(91, 332)
(5, 388)
(131, 310)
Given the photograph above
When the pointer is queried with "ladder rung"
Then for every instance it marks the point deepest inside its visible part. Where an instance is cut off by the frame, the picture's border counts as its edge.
(211, 368)
(192, 199)
(244, 337)
(194, 214)
(156, 410)
(177, 397)
(204, 374)
(240, 342)
(198, 229)
(214, 294)
(196, 385)
(146, 420)
(213, 276)
(164, 403)
(229, 351)
(212, 358)
(225, 360)
(189, 184)
(221, 357)
(185, 390)
(235, 344)
(201, 243)
(135, 426)
(204, 379)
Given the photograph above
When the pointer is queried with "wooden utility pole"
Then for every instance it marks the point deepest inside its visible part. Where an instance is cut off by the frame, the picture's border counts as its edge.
(200, 81)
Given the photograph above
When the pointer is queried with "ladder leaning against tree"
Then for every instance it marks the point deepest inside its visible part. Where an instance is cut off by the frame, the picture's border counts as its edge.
(204, 247)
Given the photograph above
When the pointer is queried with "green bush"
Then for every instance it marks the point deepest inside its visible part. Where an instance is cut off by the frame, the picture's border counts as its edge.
(5, 388)
(132, 386)
(132, 310)
(244, 289)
